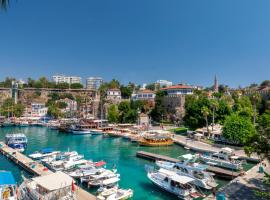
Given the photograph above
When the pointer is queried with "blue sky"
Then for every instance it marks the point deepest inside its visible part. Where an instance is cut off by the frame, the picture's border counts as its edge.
(138, 40)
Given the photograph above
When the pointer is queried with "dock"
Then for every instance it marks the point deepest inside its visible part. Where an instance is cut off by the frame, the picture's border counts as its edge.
(224, 173)
(36, 168)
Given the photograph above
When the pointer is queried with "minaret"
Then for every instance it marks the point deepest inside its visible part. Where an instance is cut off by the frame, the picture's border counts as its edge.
(215, 84)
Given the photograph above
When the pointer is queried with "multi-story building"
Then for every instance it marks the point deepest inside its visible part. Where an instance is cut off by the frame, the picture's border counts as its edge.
(178, 90)
(38, 110)
(114, 94)
(66, 79)
(174, 101)
(163, 83)
(144, 95)
(71, 105)
(94, 83)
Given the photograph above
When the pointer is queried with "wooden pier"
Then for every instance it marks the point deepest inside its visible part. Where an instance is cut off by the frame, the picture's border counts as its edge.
(36, 168)
(216, 170)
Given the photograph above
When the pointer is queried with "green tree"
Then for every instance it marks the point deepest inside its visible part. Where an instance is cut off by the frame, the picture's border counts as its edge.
(61, 104)
(4, 4)
(126, 91)
(159, 109)
(62, 86)
(19, 109)
(76, 86)
(193, 106)
(44, 82)
(265, 83)
(54, 111)
(150, 86)
(113, 114)
(30, 82)
(238, 129)
(205, 113)
(114, 84)
(243, 107)
(9, 108)
(255, 98)
(260, 142)
(214, 106)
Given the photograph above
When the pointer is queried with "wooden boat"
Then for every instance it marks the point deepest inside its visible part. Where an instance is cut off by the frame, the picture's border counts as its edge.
(155, 140)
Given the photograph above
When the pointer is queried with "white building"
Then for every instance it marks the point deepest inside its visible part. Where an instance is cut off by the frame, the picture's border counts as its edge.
(178, 90)
(114, 94)
(164, 83)
(71, 105)
(94, 83)
(144, 95)
(66, 79)
(38, 110)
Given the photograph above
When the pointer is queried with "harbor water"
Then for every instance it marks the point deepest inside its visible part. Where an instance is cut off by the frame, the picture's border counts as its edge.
(117, 152)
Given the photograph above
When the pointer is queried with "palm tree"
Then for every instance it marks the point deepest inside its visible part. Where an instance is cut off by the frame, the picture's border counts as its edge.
(205, 113)
(214, 106)
(4, 4)
(255, 98)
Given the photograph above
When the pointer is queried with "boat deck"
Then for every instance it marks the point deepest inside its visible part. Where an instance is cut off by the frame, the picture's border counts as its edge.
(36, 168)
(229, 174)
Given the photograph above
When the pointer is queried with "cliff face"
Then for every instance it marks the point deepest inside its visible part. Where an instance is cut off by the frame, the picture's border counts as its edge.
(26, 96)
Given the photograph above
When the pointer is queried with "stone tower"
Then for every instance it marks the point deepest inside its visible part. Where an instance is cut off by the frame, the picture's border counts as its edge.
(215, 84)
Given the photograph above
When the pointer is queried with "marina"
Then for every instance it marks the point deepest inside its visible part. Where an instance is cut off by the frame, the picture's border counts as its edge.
(121, 153)
(229, 174)
(35, 168)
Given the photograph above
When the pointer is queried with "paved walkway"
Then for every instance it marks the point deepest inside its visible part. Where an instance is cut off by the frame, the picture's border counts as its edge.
(37, 168)
(243, 187)
(203, 147)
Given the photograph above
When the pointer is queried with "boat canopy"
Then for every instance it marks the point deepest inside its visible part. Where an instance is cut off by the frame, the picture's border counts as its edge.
(6, 178)
(54, 181)
(47, 150)
(227, 150)
(188, 156)
(100, 163)
(175, 177)
(110, 181)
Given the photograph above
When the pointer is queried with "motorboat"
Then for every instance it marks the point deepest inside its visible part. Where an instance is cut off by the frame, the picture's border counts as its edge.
(43, 153)
(100, 174)
(108, 181)
(80, 130)
(191, 169)
(50, 187)
(66, 160)
(179, 185)
(225, 158)
(16, 141)
(114, 193)
(8, 186)
(86, 172)
(90, 168)
(96, 132)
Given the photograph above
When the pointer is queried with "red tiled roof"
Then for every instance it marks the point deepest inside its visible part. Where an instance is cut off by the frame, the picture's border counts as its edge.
(177, 87)
(146, 91)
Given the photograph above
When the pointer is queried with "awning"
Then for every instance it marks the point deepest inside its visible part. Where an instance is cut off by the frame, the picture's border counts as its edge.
(54, 181)
(6, 178)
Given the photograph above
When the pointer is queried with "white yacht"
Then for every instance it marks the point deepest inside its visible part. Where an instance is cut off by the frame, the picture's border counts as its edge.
(47, 152)
(114, 193)
(224, 158)
(194, 170)
(179, 185)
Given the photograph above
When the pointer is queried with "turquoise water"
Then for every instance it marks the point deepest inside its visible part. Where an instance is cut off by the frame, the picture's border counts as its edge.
(115, 151)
